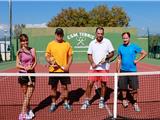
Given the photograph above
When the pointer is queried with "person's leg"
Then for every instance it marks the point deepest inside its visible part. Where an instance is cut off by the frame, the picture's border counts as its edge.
(104, 80)
(53, 93)
(65, 93)
(30, 91)
(103, 91)
(29, 94)
(123, 86)
(134, 85)
(23, 83)
(23, 80)
(88, 94)
(53, 82)
(90, 83)
(65, 81)
(24, 105)
(89, 89)
(134, 94)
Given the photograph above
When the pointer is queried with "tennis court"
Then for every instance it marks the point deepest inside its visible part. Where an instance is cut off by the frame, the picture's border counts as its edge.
(11, 94)
(11, 97)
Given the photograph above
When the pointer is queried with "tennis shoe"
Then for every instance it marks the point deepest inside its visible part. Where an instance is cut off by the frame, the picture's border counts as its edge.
(125, 103)
(136, 107)
(22, 117)
(30, 115)
(85, 105)
(101, 104)
(53, 107)
(67, 107)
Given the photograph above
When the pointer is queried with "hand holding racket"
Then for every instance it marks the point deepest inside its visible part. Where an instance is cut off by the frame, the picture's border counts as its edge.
(108, 58)
(53, 63)
(103, 60)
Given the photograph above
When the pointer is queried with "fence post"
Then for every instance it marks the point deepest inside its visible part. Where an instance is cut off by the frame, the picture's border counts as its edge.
(115, 96)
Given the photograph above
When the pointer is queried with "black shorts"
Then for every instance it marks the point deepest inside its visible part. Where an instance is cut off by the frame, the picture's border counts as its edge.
(53, 80)
(23, 80)
(128, 82)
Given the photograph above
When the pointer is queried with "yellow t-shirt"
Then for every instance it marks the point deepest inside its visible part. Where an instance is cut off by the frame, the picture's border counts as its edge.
(60, 52)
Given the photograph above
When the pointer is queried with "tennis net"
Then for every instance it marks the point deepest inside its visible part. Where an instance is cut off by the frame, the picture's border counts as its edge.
(11, 97)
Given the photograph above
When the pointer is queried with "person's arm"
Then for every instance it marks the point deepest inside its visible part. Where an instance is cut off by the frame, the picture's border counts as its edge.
(48, 55)
(118, 64)
(90, 59)
(35, 59)
(70, 59)
(142, 55)
(18, 65)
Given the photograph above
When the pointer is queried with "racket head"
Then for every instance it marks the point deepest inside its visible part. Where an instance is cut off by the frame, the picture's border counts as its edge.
(103, 60)
(113, 59)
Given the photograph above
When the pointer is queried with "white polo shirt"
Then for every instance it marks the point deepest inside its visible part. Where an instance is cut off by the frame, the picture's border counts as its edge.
(98, 50)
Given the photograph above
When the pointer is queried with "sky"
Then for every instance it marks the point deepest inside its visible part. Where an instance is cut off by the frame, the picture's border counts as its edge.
(143, 14)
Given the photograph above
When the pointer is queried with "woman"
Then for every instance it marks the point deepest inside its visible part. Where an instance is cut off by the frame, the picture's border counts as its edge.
(26, 62)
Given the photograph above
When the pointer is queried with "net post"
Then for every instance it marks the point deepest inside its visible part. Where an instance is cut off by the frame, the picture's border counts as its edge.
(115, 95)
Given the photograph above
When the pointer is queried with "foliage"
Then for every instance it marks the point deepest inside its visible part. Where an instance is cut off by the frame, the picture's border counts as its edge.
(118, 18)
(70, 17)
(98, 16)
(18, 30)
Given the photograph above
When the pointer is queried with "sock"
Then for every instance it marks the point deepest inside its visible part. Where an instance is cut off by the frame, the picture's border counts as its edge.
(101, 98)
(53, 103)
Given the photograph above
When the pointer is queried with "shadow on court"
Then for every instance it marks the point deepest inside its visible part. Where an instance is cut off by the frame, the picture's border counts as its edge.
(74, 96)
(97, 94)
(129, 97)
(44, 103)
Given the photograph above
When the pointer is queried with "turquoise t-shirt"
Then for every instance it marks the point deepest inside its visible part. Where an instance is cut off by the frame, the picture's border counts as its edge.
(128, 55)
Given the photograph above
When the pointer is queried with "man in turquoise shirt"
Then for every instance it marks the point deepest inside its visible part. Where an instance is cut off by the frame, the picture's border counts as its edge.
(127, 63)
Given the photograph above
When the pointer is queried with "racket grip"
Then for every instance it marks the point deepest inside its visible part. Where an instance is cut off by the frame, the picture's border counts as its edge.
(30, 81)
(62, 68)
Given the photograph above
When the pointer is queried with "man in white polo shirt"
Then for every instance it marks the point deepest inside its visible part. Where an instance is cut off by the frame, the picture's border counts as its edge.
(98, 48)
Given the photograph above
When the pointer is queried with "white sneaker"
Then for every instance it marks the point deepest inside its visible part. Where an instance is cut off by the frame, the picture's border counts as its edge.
(85, 105)
(101, 104)
(67, 106)
(136, 107)
(53, 107)
(30, 115)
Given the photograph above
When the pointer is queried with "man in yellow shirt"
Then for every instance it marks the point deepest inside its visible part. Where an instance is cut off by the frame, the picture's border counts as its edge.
(59, 56)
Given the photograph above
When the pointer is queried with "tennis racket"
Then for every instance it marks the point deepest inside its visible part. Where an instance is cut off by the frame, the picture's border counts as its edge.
(105, 59)
(30, 81)
(53, 61)
(113, 58)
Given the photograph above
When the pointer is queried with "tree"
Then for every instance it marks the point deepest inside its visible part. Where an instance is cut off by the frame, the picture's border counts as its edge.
(118, 18)
(17, 32)
(98, 16)
(70, 18)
